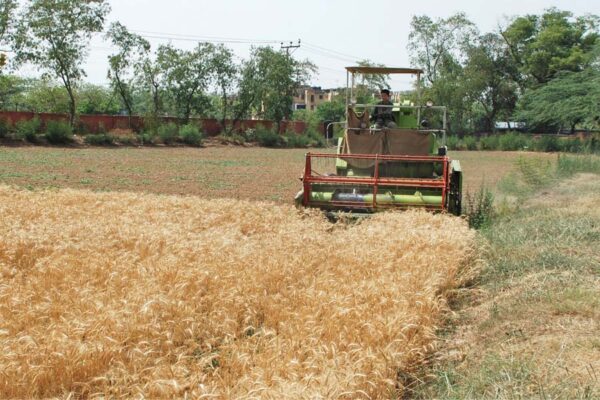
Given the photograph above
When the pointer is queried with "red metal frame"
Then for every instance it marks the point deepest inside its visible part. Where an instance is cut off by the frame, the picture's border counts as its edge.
(376, 181)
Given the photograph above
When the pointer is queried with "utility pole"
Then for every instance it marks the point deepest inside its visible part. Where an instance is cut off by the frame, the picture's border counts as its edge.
(290, 46)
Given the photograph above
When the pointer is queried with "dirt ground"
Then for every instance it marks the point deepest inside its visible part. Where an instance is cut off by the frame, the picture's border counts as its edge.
(214, 172)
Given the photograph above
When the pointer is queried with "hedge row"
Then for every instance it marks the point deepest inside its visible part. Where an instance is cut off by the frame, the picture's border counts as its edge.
(518, 141)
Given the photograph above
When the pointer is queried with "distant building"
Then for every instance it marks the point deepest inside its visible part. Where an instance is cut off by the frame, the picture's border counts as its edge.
(309, 97)
(510, 126)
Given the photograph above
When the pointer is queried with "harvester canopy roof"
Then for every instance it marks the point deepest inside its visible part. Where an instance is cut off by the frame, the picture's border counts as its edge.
(383, 70)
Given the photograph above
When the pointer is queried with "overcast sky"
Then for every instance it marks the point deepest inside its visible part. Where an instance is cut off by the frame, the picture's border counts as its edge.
(334, 33)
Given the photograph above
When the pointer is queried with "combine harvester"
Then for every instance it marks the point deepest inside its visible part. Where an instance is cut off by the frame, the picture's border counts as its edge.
(388, 168)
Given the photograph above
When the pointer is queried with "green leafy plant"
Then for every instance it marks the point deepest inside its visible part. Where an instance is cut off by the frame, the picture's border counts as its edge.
(514, 141)
(3, 128)
(58, 132)
(480, 208)
(268, 138)
(491, 142)
(190, 134)
(99, 139)
(167, 132)
(28, 129)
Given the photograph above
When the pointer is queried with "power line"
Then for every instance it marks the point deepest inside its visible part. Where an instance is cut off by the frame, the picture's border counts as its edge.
(332, 51)
(197, 38)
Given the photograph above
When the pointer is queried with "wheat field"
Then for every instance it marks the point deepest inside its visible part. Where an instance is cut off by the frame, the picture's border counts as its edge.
(135, 295)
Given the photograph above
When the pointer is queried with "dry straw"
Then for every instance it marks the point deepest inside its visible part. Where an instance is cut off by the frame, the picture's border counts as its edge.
(122, 295)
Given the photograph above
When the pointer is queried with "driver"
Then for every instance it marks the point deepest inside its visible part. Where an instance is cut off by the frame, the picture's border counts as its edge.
(382, 116)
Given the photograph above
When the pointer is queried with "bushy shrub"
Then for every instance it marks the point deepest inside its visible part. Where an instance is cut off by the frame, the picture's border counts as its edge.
(469, 143)
(316, 138)
(480, 208)
(268, 138)
(491, 142)
(237, 139)
(28, 129)
(148, 137)
(190, 134)
(167, 132)
(3, 128)
(591, 144)
(99, 139)
(547, 143)
(293, 140)
(58, 132)
(574, 145)
(514, 141)
(250, 135)
(453, 142)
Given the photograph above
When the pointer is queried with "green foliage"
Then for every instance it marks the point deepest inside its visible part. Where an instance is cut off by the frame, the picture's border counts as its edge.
(101, 139)
(95, 99)
(268, 137)
(269, 78)
(453, 142)
(44, 95)
(190, 134)
(570, 165)
(167, 132)
(4, 128)
(148, 137)
(131, 49)
(547, 144)
(7, 8)
(58, 132)
(28, 129)
(55, 35)
(535, 172)
(293, 140)
(225, 74)
(469, 143)
(334, 110)
(434, 44)
(187, 76)
(512, 141)
(487, 80)
(543, 45)
(490, 142)
(571, 98)
(480, 208)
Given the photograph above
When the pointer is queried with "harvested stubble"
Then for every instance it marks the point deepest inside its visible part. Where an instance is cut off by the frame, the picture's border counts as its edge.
(121, 295)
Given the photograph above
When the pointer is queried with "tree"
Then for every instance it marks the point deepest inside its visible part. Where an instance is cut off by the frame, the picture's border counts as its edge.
(431, 44)
(44, 95)
(54, 35)
(187, 75)
(7, 8)
(151, 77)
(268, 81)
(487, 79)
(131, 50)
(95, 99)
(334, 110)
(374, 82)
(570, 99)
(12, 90)
(224, 72)
(542, 46)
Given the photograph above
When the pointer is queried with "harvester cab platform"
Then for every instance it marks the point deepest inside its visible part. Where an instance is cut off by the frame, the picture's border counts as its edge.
(375, 169)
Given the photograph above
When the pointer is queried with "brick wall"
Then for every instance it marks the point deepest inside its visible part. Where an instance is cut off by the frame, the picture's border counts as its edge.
(93, 123)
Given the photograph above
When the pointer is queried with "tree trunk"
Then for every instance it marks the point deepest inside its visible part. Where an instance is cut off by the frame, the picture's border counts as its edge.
(72, 107)
(224, 118)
